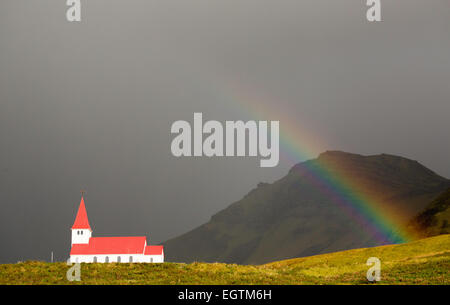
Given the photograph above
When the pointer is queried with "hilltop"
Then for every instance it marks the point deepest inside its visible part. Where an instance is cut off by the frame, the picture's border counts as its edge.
(292, 217)
(425, 261)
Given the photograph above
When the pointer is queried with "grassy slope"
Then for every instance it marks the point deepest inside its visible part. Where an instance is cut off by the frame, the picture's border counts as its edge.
(426, 261)
(435, 219)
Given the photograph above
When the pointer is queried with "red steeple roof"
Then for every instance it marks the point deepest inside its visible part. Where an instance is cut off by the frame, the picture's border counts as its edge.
(81, 221)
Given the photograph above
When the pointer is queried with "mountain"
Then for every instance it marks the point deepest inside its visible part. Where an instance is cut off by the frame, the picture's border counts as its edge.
(435, 219)
(292, 217)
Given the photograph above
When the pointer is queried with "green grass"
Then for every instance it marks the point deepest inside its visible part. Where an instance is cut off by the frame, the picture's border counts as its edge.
(425, 261)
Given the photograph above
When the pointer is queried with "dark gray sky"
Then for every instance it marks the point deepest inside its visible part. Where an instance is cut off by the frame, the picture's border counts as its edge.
(90, 105)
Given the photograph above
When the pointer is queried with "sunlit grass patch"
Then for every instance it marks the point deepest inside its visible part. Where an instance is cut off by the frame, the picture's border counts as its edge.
(425, 261)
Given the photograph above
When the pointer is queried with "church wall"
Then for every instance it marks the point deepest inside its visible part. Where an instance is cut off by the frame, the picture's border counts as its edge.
(113, 258)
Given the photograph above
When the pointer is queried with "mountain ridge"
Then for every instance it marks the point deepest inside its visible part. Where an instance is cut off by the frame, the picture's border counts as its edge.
(291, 217)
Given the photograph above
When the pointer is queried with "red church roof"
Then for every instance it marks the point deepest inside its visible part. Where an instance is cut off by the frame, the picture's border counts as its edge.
(111, 245)
(81, 221)
(154, 250)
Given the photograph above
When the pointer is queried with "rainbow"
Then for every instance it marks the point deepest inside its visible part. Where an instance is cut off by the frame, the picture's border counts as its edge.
(342, 189)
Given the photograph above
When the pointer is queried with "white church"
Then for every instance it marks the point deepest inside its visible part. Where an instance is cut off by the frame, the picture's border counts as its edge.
(88, 249)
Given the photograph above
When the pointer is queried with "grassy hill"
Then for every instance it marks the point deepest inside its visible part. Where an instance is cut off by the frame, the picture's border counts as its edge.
(425, 261)
(293, 217)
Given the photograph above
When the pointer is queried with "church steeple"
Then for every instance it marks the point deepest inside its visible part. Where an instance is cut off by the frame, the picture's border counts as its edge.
(81, 230)
(81, 220)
